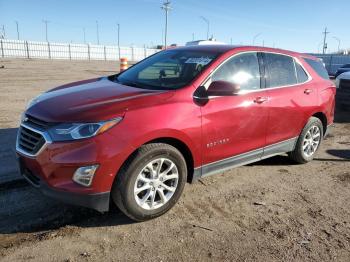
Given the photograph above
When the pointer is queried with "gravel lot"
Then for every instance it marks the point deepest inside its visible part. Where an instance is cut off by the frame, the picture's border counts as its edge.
(272, 210)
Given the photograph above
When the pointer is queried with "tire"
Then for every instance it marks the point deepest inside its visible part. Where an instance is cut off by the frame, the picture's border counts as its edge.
(142, 166)
(299, 154)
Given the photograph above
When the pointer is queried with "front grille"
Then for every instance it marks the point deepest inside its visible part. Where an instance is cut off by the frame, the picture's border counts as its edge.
(30, 141)
(36, 123)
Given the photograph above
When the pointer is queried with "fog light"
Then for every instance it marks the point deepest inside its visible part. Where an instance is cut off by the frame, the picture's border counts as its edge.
(84, 175)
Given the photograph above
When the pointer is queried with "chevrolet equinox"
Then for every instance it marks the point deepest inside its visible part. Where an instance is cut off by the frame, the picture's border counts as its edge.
(135, 138)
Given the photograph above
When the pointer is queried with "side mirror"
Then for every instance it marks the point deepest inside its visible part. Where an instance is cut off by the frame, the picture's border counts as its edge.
(222, 88)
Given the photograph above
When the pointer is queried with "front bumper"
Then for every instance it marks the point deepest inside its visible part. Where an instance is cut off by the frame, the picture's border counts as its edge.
(97, 201)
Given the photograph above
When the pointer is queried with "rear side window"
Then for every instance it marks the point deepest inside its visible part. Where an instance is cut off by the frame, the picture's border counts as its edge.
(242, 69)
(318, 67)
(281, 70)
(301, 74)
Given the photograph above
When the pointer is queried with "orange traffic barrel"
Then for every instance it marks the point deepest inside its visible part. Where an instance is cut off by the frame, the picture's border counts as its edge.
(123, 64)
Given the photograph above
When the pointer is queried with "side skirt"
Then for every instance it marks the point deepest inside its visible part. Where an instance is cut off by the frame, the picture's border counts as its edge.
(244, 159)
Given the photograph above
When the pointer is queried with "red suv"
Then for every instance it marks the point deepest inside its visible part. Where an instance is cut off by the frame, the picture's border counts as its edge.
(137, 137)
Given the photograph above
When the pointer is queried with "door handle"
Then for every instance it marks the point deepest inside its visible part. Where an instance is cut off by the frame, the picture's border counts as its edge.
(308, 91)
(260, 99)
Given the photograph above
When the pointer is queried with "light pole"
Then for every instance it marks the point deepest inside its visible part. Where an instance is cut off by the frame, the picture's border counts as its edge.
(208, 24)
(255, 37)
(46, 35)
(17, 30)
(166, 7)
(336, 38)
(118, 28)
(84, 35)
(97, 33)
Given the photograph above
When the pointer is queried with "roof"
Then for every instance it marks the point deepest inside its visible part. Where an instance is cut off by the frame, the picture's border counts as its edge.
(225, 48)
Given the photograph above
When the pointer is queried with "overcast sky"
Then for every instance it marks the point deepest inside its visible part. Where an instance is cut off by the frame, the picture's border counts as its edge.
(288, 24)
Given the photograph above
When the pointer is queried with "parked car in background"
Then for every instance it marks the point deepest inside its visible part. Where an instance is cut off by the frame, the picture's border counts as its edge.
(342, 69)
(136, 138)
(343, 90)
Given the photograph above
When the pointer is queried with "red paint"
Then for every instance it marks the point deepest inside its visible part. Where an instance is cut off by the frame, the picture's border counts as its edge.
(238, 123)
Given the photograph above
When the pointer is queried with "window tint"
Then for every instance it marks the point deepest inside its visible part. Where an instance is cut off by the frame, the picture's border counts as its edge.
(281, 71)
(301, 74)
(318, 67)
(242, 69)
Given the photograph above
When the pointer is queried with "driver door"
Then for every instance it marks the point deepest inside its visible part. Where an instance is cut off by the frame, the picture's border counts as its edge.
(234, 127)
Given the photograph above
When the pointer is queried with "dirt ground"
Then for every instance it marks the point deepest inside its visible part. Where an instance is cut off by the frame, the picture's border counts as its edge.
(272, 210)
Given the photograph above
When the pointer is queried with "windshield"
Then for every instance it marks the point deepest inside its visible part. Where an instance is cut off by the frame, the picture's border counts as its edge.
(167, 70)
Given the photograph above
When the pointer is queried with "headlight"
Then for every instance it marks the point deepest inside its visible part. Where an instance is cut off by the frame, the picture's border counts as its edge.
(75, 131)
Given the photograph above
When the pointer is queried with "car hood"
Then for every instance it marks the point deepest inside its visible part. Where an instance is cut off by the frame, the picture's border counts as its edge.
(92, 100)
(345, 75)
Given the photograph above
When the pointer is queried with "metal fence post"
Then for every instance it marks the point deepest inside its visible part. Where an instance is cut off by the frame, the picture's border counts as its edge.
(48, 48)
(70, 54)
(88, 51)
(104, 52)
(2, 49)
(27, 48)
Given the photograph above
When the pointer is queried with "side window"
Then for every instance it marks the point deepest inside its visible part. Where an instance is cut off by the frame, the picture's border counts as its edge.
(301, 74)
(241, 69)
(318, 67)
(281, 70)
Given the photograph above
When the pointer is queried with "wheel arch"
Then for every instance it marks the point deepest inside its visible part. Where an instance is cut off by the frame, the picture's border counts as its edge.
(323, 119)
(184, 150)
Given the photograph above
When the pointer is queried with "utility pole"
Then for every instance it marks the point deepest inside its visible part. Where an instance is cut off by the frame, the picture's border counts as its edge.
(118, 28)
(84, 35)
(46, 36)
(324, 40)
(97, 33)
(166, 7)
(208, 24)
(17, 30)
(336, 38)
(3, 35)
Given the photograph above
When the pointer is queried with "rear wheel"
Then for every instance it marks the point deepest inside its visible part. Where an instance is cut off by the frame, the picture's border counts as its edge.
(150, 182)
(308, 142)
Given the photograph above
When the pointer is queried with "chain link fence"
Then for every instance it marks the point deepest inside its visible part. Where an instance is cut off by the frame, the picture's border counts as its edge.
(69, 51)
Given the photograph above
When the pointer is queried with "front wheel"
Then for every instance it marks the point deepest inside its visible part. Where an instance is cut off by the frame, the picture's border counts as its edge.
(308, 142)
(150, 182)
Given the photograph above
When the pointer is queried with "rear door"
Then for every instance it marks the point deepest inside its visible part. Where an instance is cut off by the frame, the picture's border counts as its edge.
(292, 99)
(234, 126)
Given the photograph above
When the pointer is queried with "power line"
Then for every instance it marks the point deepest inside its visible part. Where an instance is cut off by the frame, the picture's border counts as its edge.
(324, 40)
(166, 7)
(46, 36)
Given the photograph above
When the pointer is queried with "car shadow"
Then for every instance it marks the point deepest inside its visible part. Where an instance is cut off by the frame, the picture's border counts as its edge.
(343, 155)
(279, 160)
